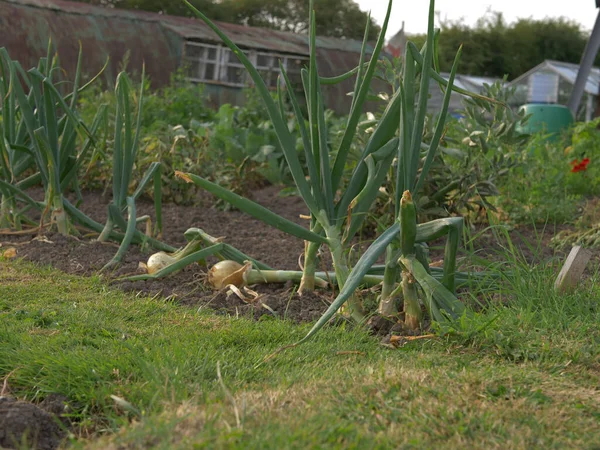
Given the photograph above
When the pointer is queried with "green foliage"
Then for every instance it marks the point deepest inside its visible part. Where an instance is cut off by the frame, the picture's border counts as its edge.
(41, 134)
(537, 190)
(545, 186)
(234, 145)
(127, 127)
(177, 103)
(479, 151)
(584, 178)
(495, 48)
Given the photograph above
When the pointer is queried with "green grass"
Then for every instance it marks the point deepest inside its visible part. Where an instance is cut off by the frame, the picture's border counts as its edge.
(527, 379)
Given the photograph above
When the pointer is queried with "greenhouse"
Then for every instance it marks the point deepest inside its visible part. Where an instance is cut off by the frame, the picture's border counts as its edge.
(552, 82)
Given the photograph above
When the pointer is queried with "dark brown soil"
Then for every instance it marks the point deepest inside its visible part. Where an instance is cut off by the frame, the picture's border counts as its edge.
(25, 425)
(85, 256)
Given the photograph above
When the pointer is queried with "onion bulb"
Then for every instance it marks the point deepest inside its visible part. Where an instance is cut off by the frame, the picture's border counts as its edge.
(227, 272)
(159, 261)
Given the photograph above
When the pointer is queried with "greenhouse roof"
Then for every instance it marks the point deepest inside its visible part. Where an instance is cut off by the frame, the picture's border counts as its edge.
(469, 82)
(568, 72)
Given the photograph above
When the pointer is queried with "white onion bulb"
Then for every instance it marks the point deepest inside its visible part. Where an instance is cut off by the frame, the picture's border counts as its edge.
(159, 261)
(227, 272)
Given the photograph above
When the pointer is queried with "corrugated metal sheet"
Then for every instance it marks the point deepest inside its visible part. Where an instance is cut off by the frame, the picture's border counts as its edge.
(26, 26)
(188, 28)
(154, 39)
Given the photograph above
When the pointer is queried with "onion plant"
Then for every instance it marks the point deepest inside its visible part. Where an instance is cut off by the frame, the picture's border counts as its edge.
(125, 148)
(319, 191)
(337, 214)
(40, 131)
(43, 141)
(201, 246)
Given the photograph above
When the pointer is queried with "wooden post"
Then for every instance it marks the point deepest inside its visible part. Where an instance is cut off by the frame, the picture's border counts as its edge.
(569, 276)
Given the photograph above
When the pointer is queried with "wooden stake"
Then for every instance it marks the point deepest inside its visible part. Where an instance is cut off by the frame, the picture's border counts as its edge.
(570, 274)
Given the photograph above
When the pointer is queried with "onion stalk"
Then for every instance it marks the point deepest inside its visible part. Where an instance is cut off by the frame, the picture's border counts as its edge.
(228, 272)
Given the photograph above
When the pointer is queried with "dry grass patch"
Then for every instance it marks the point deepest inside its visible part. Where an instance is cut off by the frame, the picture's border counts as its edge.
(378, 406)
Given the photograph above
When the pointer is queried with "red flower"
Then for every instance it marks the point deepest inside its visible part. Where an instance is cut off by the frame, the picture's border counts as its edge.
(579, 166)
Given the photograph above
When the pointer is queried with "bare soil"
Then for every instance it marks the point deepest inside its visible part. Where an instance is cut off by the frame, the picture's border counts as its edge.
(38, 427)
(83, 255)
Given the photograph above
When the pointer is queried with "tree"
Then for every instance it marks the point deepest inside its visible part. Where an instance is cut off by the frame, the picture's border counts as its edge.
(495, 48)
(336, 18)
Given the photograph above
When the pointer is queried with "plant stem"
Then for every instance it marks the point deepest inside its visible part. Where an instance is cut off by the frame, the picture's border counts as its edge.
(387, 300)
(254, 276)
(413, 315)
(107, 230)
(130, 231)
(5, 215)
(449, 281)
(340, 266)
(138, 236)
(60, 216)
(307, 283)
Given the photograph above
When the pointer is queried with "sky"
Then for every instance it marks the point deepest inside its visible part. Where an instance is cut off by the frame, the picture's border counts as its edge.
(414, 12)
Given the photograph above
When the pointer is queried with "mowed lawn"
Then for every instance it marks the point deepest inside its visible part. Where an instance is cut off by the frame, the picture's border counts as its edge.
(146, 373)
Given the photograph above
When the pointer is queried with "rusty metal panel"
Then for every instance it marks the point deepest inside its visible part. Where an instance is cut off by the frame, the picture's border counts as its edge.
(188, 28)
(259, 38)
(25, 29)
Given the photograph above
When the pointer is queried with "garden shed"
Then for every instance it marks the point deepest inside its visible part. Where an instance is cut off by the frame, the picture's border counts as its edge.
(552, 82)
(166, 43)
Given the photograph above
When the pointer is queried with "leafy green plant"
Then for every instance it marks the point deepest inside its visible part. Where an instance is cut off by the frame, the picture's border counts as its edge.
(45, 140)
(479, 150)
(540, 187)
(337, 216)
(125, 148)
(41, 132)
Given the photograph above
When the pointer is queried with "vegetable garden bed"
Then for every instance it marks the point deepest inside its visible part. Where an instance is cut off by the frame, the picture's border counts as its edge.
(84, 255)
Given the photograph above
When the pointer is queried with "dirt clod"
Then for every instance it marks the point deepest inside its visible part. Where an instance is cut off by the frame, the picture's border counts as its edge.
(24, 425)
